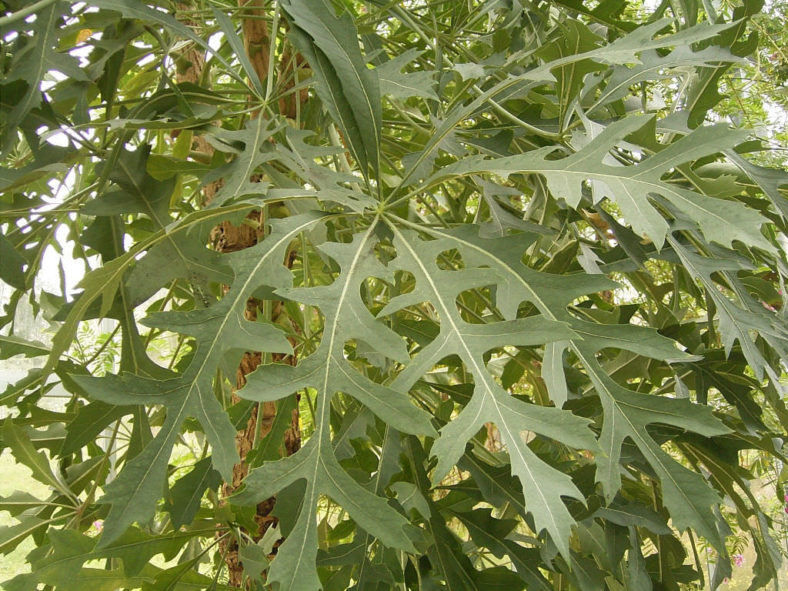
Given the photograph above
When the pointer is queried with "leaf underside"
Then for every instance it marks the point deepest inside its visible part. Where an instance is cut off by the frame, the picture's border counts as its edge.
(526, 318)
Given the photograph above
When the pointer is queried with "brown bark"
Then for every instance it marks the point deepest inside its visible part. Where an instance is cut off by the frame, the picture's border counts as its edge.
(255, 35)
(189, 65)
(229, 238)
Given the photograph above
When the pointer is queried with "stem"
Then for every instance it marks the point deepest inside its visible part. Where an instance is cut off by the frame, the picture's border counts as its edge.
(27, 11)
(659, 538)
(104, 346)
(269, 82)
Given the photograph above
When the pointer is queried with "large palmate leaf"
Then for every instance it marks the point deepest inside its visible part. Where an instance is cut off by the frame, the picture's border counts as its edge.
(627, 413)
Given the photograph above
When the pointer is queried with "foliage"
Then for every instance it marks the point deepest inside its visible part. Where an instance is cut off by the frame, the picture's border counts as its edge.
(536, 286)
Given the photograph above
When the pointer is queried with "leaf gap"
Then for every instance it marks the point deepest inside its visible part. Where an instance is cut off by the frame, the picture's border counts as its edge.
(449, 260)
(472, 305)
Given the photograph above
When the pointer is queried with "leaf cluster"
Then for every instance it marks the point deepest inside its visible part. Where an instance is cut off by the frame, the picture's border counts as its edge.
(538, 310)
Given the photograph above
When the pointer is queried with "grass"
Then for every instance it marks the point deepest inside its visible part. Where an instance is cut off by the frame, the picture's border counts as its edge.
(16, 477)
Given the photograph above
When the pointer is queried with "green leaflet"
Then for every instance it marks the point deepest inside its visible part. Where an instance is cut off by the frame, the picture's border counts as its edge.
(235, 42)
(90, 421)
(627, 414)
(482, 528)
(646, 38)
(315, 463)
(13, 535)
(20, 445)
(768, 179)
(543, 484)
(396, 84)
(186, 494)
(736, 321)
(19, 502)
(328, 371)
(237, 173)
(630, 186)
(654, 67)
(346, 86)
(219, 330)
(11, 264)
(49, 159)
(11, 346)
(607, 12)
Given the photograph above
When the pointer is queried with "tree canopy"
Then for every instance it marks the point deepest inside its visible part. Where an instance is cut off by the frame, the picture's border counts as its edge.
(419, 295)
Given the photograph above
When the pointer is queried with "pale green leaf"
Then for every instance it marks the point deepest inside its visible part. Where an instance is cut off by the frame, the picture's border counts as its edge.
(630, 186)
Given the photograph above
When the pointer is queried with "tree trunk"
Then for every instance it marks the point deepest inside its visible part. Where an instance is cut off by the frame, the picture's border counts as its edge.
(229, 238)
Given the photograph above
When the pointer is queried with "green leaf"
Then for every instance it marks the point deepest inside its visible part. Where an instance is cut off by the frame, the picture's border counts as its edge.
(543, 485)
(186, 494)
(228, 29)
(634, 515)
(294, 567)
(11, 346)
(31, 65)
(655, 66)
(132, 9)
(514, 282)
(482, 528)
(238, 173)
(219, 330)
(12, 264)
(18, 442)
(48, 160)
(396, 84)
(13, 535)
(18, 502)
(736, 321)
(627, 413)
(90, 421)
(347, 87)
(629, 186)
(328, 371)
